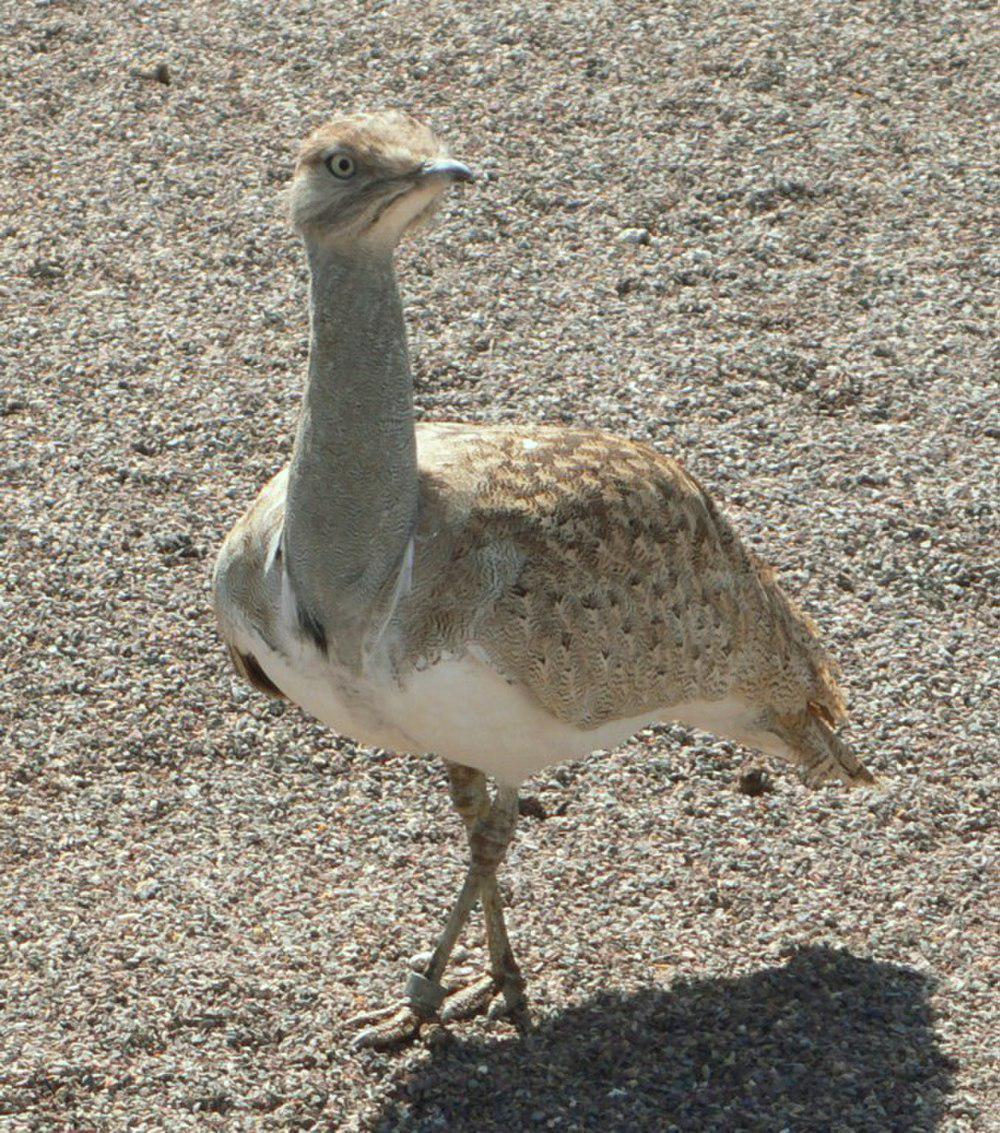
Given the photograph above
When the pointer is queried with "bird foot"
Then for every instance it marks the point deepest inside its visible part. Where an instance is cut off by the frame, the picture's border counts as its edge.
(429, 1002)
(501, 998)
(388, 1028)
(473, 999)
(393, 1026)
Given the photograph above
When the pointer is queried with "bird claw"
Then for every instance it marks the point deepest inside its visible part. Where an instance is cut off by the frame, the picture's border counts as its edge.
(401, 1025)
(364, 1017)
(501, 998)
(470, 1000)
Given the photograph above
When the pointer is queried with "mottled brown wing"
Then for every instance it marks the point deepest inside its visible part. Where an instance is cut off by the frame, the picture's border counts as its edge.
(607, 582)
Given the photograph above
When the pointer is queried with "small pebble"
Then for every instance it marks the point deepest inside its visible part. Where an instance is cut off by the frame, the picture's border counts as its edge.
(634, 236)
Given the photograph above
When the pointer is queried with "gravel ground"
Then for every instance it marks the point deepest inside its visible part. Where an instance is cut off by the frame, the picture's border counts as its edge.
(197, 887)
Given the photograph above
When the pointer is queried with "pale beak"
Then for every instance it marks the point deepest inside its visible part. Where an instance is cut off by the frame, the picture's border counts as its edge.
(445, 167)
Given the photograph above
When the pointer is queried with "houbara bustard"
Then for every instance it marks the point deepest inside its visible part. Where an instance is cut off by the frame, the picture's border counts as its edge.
(503, 596)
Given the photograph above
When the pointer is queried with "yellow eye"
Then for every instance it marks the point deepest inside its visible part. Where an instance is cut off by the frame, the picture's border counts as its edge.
(341, 165)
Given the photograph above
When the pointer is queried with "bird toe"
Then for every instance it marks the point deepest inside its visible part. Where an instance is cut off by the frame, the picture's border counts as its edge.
(473, 999)
(401, 1026)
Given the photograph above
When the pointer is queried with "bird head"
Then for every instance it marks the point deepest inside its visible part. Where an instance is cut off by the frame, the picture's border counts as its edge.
(369, 178)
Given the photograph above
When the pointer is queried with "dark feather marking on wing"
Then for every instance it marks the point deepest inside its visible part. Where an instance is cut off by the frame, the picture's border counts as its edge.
(248, 666)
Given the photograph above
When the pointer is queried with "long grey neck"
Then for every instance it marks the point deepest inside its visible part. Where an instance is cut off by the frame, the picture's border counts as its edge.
(351, 504)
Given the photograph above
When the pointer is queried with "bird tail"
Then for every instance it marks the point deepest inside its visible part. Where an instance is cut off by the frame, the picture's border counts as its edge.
(818, 751)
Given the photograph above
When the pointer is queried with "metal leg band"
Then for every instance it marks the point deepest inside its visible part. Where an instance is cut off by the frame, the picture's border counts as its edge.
(424, 995)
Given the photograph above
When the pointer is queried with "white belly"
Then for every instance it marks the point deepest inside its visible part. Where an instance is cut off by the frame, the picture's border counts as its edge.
(461, 709)
(465, 711)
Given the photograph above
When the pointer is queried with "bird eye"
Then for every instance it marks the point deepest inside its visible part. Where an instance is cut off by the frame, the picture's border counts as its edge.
(341, 165)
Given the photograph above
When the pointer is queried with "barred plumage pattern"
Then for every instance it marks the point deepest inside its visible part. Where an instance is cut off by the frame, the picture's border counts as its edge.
(599, 574)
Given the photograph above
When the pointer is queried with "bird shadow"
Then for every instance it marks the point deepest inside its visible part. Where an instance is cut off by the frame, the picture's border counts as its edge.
(825, 1041)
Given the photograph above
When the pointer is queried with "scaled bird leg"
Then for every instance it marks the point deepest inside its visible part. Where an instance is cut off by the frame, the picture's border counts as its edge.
(471, 799)
(488, 840)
